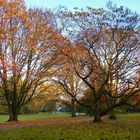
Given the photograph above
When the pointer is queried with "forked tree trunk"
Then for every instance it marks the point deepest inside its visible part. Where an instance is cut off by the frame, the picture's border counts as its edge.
(13, 117)
(13, 113)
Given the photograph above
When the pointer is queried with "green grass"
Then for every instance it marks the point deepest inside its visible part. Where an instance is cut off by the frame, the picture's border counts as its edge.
(38, 116)
(127, 127)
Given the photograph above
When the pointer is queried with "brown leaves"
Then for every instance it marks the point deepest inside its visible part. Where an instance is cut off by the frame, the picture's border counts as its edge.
(48, 122)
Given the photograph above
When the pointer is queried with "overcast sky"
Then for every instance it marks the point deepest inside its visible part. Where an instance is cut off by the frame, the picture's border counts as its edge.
(132, 4)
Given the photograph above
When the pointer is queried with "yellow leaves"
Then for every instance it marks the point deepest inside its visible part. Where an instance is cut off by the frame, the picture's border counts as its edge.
(13, 9)
(42, 27)
(11, 5)
(23, 16)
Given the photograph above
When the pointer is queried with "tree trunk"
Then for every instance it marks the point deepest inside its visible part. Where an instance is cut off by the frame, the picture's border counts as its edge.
(13, 117)
(112, 115)
(13, 113)
(97, 115)
(73, 108)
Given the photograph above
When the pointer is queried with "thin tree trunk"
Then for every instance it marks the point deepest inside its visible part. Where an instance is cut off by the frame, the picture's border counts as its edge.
(112, 115)
(97, 116)
(73, 108)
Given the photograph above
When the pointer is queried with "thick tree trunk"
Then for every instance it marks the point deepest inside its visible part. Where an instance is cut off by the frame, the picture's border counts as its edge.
(73, 108)
(13, 113)
(13, 117)
(97, 117)
(112, 115)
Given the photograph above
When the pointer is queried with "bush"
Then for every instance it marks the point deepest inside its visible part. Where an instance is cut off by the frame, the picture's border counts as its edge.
(3, 113)
(28, 110)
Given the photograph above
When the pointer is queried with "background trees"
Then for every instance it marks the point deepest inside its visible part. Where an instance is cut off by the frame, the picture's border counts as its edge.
(92, 49)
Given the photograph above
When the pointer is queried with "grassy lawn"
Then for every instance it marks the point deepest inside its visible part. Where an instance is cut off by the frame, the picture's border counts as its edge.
(127, 127)
(38, 116)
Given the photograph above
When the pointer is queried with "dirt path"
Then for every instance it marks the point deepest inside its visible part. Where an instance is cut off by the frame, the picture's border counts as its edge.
(47, 122)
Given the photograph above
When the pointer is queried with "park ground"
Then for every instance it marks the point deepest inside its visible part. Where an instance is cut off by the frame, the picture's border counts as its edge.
(63, 127)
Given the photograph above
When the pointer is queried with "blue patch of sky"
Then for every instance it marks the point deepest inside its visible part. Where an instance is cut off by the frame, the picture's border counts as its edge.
(134, 5)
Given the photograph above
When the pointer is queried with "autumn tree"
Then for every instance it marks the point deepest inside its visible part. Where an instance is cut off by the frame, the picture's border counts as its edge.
(27, 53)
(66, 79)
(111, 42)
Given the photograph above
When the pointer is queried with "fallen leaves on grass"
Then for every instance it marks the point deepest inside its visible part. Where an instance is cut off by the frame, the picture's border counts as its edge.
(47, 122)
